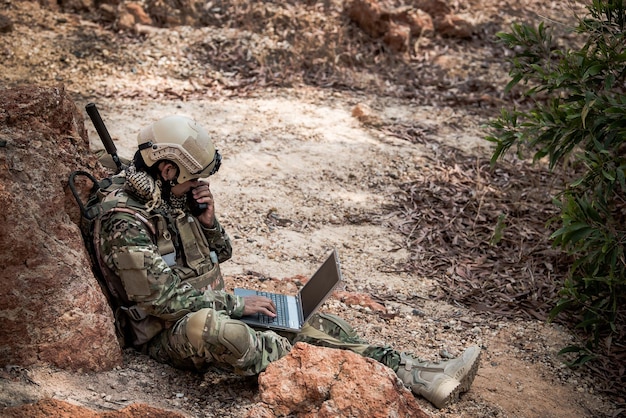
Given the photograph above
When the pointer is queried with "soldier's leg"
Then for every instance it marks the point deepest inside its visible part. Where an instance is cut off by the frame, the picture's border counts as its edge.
(331, 331)
(209, 336)
(440, 383)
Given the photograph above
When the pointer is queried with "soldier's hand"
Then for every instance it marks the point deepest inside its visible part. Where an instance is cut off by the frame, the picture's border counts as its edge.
(258, 304)
(202, 194)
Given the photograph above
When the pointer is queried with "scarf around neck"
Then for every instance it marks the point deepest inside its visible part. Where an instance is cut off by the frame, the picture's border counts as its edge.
(142, 185)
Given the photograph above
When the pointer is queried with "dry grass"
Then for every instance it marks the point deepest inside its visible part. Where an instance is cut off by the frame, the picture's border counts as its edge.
(483, 234)
(315, 43)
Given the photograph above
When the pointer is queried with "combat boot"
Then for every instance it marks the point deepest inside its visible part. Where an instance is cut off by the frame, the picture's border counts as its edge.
(440, 383)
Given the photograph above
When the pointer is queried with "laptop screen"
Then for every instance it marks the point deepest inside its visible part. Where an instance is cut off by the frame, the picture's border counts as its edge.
(323, 281)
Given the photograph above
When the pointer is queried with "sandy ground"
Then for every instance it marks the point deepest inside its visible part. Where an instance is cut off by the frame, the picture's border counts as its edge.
(301, 176)
(303, 159)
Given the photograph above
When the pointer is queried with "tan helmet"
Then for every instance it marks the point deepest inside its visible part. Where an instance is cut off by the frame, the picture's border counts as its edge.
(182, 141)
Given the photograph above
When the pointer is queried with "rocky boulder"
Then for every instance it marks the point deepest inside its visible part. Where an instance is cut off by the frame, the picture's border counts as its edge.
(322, 382)
(46, 408)
(397, 26)
(51, 306)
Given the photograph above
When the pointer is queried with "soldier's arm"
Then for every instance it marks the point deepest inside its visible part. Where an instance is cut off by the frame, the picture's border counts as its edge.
(128, 250)
(219, 241)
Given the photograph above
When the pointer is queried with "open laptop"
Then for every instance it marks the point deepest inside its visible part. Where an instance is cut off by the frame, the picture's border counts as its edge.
(294, 311)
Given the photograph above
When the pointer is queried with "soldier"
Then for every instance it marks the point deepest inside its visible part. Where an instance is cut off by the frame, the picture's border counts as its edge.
(160, 256)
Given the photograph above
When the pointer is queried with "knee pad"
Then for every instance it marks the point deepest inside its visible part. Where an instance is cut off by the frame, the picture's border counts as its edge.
(195, 327)
(235, 336)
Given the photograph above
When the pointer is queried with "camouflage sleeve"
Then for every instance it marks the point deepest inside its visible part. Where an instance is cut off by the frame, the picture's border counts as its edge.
(219, 241)
(128, 250)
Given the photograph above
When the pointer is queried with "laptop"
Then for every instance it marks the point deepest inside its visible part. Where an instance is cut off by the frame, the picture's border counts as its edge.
(293, 311)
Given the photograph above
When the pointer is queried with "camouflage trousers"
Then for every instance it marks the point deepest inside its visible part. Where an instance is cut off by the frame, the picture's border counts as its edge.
(208, 337)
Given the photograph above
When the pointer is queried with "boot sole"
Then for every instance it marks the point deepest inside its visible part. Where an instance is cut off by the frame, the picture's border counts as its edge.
(452, 397)
(468, 379)
(465, 381)
(446, 390)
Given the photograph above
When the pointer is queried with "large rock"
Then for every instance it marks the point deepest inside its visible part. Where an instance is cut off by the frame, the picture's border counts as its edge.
(46, 408)
(398, 26)
(323, 382)
(52, 309)
(368, 15)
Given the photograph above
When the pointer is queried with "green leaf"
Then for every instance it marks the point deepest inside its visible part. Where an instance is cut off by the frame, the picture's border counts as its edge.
(585, 112)
(498, 230)
(608, 175)
(570, 349)
(562, 305)
(593, 70)
(513, 82)
(573, 232)
(581, 360)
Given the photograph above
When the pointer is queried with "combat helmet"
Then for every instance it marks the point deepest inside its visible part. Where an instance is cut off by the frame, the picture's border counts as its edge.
(181, 140)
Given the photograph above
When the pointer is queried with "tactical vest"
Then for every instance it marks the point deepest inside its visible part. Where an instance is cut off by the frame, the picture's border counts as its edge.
(181, 243)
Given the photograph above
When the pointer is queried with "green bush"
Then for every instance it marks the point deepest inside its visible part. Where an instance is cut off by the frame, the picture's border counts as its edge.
(576, 122)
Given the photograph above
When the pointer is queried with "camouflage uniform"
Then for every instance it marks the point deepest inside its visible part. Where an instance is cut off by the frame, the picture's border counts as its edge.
(192, 328)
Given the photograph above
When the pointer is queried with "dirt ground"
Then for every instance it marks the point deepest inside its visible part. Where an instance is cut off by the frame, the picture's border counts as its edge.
(301, 175)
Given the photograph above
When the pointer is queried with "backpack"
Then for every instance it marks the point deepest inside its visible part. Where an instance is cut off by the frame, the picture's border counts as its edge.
(91, 212)
(102, 201)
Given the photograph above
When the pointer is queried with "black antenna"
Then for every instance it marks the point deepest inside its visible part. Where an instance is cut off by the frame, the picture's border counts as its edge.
(103, 133)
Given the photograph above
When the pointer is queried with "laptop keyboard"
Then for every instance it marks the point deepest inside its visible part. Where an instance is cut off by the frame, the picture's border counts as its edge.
(281, 309)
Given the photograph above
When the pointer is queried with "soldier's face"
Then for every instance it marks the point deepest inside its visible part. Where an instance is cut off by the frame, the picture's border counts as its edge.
(182, 188)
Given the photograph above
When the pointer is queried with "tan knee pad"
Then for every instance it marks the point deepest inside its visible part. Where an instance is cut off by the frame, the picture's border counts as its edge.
(195, 327)
(235, 336)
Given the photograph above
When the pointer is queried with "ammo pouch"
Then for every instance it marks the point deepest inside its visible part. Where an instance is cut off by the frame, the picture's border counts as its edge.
(138, 327)
(211, 279)
(201, 268)
(142, 331)
(133, 332)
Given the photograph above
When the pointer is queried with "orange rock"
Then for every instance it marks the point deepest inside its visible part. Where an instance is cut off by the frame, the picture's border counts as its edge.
(367, 15)
(420, 22)
(324, 382)
(453, 26)
(435, 8)
(397, 37)
(361, 299)
(60, 409)
(53, 309)
(138, 13)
